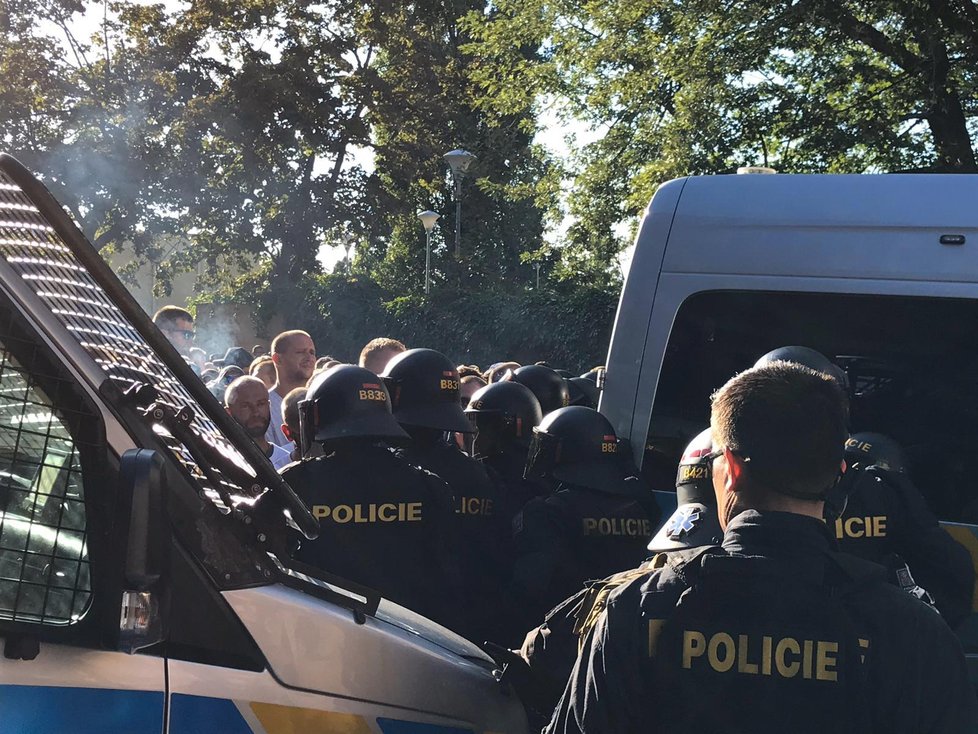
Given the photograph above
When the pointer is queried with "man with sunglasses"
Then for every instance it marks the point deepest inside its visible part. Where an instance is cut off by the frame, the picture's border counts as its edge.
(178, 326)
(773, 629)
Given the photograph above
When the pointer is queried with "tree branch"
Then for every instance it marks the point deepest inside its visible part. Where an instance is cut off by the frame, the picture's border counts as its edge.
(863, 32)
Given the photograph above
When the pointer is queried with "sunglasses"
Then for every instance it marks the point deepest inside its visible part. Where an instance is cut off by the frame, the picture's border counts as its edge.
(713, 455)
(187, 333)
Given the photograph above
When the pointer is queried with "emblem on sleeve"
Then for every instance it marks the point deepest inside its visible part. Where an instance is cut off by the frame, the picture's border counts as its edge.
(683, 522)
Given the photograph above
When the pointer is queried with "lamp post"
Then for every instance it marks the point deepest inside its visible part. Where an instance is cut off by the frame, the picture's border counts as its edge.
(428, 219)
(458, 161)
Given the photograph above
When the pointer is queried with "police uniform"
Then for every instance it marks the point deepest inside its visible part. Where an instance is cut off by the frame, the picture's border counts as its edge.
(597, 523)
(773, 631)
(483, 532)
(886, 520)
(384, 523)
(508, 465)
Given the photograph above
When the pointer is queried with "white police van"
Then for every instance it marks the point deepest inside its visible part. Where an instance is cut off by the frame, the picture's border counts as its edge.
(880, 273)
(143, 587)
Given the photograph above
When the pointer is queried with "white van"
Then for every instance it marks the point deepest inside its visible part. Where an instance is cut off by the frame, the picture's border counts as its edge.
(142, 583)
(880, 273)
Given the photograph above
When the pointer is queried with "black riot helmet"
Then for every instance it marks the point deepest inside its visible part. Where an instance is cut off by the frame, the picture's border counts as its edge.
(349, 402)
(806, 357)
(424, 391)
(549, 388)
(695, 521)
(504, 412)
(579, 446)
(583, 392)
(875, 449)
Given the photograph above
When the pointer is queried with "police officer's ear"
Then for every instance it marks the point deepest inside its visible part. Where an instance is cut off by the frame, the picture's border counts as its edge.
(286, 432)
(732, 470)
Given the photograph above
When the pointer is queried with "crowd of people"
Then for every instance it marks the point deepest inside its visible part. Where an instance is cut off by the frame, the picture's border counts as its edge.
(494, 499)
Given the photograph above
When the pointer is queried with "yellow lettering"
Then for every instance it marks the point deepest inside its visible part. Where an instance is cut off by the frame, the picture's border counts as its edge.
(786, 669)
(320, 510)
(742, 665)
(766, 643)
(694, 645)
(387, 512)
(358, 514)
(879, 526)
(839, 531)
(604, 526)
(589, 525)
(721, 665)
(655, 629)
(825, 661)
(850, 525)
(342, 513)
(864, 645)
(413, 511)
(807, 660)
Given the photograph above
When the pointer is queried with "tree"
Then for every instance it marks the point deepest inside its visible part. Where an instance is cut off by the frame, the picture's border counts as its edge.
(702, 87)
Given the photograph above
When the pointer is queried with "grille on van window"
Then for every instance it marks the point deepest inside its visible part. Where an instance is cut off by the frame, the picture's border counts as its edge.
(38, 255)
(44, 569)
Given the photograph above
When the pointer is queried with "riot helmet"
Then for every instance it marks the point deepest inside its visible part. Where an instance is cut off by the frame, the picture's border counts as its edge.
(583, 392)
(347, 401)
(695, 521)
(806, 357)
(549, 388)
(503, 412)
(424, 391)
(875, 449)
(579, 446)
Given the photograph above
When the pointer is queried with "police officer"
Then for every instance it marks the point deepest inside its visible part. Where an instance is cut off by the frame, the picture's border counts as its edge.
(424, 389)
(384, 523)
(549, 651)
(598, 521)
(885, 519)
(773, 626)
(504, 415)
(549, 388)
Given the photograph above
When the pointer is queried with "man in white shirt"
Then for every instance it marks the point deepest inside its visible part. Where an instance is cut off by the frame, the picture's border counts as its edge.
(294, 355)
(246, 400)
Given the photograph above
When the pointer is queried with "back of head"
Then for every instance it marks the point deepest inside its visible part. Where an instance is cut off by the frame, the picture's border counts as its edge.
(506, 411)
(348, 402)
(787, 423)
(376, 353)
(579, 446)
(549, 388)
(424, 389)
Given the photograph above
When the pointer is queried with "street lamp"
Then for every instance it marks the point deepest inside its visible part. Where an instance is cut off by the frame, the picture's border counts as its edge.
(428, 219)
(458, 161)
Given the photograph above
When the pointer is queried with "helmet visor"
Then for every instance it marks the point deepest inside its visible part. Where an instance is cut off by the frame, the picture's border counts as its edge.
(542, 457)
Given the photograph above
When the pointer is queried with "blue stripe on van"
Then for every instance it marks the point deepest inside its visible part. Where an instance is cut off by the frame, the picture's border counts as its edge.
(50, 709)
(203, 715)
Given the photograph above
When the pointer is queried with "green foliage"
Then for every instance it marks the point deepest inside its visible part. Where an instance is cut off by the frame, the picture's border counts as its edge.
(702, 87)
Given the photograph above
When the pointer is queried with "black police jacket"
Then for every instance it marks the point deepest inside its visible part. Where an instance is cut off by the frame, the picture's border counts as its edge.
(772, 632)
(509, 466)
(886, 517)
(384, 523)
(574, 535)
(483, 532)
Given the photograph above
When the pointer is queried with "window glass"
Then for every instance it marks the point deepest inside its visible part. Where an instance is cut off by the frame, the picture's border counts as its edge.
(912, 365)
(44, 570)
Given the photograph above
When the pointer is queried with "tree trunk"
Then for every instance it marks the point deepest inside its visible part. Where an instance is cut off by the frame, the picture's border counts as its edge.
(949, 126)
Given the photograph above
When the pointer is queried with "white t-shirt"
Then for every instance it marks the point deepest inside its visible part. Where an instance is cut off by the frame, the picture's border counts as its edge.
(274, 433)
(280, 457)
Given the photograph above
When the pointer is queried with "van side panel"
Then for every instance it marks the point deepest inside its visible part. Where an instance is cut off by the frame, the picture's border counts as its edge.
(886, 227)
(627, 349)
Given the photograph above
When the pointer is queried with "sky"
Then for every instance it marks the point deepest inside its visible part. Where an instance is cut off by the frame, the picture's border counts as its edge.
(553, 134)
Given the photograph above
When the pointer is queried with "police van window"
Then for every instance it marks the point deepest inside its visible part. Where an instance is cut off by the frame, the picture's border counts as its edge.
(912, 366)
(44, 568)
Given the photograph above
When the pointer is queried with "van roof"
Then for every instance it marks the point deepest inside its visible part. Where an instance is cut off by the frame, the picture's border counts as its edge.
(878, 226)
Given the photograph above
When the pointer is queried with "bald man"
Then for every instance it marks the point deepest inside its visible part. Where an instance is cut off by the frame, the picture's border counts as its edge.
(246, 400)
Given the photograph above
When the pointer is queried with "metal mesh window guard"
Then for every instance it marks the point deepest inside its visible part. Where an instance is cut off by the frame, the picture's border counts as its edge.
(38, 255)
(44, 571)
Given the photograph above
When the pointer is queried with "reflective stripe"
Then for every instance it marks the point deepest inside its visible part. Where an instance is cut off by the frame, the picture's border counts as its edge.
(45, 709)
